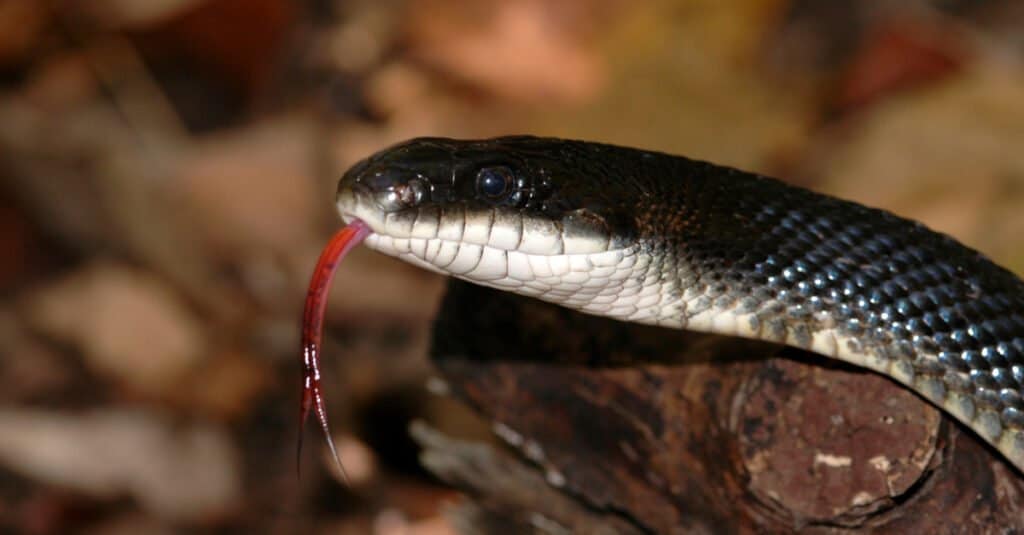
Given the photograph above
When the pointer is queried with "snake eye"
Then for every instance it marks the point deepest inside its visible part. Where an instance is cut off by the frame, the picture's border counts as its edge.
(493, 182)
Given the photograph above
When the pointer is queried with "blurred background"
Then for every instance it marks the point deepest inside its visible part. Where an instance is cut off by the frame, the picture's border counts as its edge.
(167, 173)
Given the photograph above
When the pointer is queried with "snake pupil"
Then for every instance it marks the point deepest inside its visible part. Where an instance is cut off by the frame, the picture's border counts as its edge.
(494, 182)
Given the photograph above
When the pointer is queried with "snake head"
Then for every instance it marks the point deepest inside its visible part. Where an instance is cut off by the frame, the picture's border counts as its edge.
(427, 197)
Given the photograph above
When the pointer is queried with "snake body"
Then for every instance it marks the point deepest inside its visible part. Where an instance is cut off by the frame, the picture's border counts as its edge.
(659, 239)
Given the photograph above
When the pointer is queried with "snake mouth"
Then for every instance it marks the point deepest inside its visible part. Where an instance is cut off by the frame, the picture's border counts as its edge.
(506, 249)
(397, 206)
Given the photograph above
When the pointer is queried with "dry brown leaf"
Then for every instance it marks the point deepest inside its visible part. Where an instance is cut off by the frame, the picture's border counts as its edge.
(127, 324)
(516, 50)
(253, 190)
(227, 385)
(181, 472)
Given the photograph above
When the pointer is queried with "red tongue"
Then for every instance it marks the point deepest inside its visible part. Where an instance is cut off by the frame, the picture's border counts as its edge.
(313, 326)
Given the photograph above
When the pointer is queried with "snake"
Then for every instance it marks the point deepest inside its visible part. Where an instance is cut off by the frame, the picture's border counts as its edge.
(659, 239)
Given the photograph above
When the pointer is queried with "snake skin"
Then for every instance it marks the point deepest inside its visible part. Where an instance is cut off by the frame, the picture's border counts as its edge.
(722, 250)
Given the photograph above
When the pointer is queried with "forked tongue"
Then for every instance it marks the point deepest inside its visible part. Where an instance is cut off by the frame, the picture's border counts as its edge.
(313, 326)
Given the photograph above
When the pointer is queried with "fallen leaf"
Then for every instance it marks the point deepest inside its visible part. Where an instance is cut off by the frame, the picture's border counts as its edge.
(127, 324)
(183, 472)
(516, 50)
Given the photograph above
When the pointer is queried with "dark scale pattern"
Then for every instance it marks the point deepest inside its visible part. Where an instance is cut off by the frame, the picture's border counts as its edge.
(891, 287)
(940, 316)
(802, 262)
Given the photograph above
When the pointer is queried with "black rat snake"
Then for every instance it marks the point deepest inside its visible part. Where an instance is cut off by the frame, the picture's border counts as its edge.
(653, 238)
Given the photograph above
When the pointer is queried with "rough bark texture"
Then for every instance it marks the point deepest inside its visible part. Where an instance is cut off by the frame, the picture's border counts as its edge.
(640, 429)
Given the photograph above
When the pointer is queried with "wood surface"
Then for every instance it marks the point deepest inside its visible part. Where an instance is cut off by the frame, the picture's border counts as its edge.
(609, 427)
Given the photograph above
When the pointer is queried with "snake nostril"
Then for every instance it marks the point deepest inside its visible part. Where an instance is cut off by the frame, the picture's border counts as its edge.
(392, 188)
(400, 195)
(413, 192)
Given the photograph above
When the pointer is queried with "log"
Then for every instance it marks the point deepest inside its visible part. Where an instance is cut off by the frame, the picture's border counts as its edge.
(640, 429)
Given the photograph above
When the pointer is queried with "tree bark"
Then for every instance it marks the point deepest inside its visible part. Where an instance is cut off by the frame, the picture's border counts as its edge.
(640, 429)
